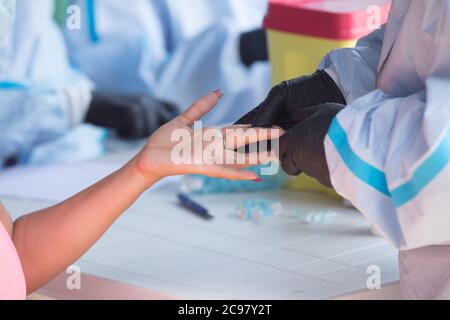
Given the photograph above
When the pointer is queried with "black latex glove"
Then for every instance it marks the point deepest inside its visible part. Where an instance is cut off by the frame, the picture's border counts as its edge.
(132, 117)
(253, 47)
(302, 147)
(285, 102)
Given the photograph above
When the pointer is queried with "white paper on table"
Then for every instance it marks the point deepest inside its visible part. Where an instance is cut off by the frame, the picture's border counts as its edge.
(58, 182)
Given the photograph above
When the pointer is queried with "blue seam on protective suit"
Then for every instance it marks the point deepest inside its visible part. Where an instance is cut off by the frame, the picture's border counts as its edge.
(364, 171)
(90, 5)
(435, 164)
(377, 179)
(12, 85)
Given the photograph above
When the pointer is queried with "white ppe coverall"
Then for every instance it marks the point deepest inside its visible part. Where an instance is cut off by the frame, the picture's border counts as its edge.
(388, 151)
(41, 95)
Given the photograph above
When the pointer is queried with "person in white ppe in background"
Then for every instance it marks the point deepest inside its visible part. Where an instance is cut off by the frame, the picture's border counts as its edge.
(374, 123)
(172, 51)
(42, 99)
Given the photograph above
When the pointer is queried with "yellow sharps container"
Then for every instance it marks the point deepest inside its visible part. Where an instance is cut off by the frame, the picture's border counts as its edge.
(302, 32)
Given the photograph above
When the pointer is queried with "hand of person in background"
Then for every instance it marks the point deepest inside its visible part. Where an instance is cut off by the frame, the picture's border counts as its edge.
(132, 117)
(156, 158)
(285, 103)
(302, 147)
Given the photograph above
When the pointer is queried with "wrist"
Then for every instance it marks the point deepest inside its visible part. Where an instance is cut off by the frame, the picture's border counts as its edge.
(331, 86)
(143, 177)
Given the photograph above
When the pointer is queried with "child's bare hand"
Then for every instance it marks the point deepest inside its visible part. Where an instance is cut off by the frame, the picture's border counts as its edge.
(178, 148)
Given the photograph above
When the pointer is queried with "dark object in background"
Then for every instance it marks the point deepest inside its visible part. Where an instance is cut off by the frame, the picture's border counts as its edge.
(253, 47)
(194, 207)
(132, 117)
(10, 162)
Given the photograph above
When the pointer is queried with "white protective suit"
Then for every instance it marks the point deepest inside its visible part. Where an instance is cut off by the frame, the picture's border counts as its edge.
(388, 151)
(41, 95)
(175, 50)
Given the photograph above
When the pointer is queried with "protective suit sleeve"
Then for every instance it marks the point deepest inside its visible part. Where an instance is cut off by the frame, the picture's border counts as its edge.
(355, 69)
(390, 157)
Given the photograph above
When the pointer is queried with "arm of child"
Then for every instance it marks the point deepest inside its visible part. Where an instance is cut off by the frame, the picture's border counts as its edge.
(6, 220)
(49, 240)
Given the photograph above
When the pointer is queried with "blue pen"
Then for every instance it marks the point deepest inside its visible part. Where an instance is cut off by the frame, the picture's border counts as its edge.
(194, 207)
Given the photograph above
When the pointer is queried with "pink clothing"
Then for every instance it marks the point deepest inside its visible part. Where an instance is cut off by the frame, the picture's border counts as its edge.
(12, 279)
(425, 273)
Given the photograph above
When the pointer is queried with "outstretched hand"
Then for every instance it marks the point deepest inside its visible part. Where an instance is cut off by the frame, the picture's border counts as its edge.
(207, 151)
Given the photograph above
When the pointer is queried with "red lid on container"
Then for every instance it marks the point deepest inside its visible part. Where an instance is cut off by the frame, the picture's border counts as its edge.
(334, 19)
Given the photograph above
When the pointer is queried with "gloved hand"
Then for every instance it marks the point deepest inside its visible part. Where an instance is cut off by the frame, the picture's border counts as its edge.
(253, 47)
(284, 105)
(302, 147)
(132, 117)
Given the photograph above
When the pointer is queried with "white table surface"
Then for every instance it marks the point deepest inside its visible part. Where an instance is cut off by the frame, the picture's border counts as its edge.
(160, 247)
(158, 250)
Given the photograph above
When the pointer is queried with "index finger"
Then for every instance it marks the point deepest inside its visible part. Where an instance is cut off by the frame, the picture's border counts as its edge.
(200, 108)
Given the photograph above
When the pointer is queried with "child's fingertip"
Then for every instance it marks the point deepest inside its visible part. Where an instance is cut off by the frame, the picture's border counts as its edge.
(267, 157)
(277, 132)
(218, 92)
(250, 176)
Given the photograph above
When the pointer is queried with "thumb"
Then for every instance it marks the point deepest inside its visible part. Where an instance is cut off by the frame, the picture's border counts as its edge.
(288, 146)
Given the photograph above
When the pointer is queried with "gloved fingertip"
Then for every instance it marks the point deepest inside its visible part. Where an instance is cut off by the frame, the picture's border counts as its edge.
(290, 168)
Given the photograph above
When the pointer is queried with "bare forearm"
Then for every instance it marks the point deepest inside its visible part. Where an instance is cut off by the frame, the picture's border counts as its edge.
(50, 240)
